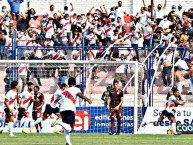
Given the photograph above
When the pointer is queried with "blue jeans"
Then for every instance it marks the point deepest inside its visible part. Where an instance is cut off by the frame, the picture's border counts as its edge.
(20, 52)
(1, 52)
(190, 84)
(166, 74)
(61, 80)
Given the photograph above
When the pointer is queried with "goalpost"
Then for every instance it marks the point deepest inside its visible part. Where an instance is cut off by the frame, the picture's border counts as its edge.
(91, 118)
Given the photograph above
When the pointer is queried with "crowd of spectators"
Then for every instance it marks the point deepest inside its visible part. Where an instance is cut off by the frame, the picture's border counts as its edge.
(42, 37)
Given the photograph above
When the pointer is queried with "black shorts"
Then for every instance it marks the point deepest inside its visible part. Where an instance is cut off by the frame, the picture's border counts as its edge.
(7, 112)
(167, 114)
(34, 115)
(22, 112)
(49, 110)
(68, 117)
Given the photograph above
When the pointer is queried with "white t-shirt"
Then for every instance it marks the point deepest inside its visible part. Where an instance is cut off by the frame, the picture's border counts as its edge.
(119, 12)
(25, 98)
(143, 18)
(120, 68)
(55, 98)
(159, 13)
(11, 96)
(181, 64)
(68, 99)
(168, 57)
(171, 104)
(165, 24)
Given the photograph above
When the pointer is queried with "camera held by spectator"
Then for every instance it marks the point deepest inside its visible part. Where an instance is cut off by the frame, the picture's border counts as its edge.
(106, 94)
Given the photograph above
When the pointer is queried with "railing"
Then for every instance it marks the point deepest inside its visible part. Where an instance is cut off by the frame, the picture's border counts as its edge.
(17, 49)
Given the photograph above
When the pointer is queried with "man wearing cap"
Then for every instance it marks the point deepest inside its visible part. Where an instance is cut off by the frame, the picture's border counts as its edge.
(172, 13)
(43, 24)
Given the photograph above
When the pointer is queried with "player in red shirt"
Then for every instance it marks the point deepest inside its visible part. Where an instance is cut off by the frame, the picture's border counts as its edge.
(114, 104)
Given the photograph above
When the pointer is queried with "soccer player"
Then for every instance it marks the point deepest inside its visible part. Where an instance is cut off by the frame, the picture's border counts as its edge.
(68, 107)
(38, 102)
(173, 101)
(52, 107)
(114, 104)
(169, 112)
(25, 98)
(10, 101)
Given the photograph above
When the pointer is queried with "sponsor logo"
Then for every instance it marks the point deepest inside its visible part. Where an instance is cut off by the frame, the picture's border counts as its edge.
(185, 129)
(82, 120)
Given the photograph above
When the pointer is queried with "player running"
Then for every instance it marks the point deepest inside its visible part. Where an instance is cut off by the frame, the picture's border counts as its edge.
(169, 112)
(53, 107)
(24, 100)
(9, 108)
(38, 102)
(68, 108)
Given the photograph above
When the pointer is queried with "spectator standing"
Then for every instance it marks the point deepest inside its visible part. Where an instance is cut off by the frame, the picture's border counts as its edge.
(120, 11)
(22, 73)
(120, 71)
(179, 12)
(30, 14)
(2, 44)
(159, 12)
(179, 79)
(21, 23)
(15, 6)
(167, 67)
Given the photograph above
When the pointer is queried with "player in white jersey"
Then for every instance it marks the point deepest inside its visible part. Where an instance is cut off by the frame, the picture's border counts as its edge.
(24, 100)
(52, 107)
(173, 100)
(68, 107)
(9, 108)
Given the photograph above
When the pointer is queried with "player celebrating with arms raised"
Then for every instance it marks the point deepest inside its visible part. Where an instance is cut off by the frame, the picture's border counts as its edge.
(68, 107)
(114, 104)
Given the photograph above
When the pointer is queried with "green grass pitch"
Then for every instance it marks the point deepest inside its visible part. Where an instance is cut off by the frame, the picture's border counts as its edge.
(95, 139)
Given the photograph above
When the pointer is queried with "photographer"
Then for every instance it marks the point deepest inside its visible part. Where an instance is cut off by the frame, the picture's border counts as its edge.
(106, 94)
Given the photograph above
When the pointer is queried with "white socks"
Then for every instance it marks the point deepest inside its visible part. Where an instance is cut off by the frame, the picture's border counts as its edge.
(37, 121)
(66, 126)
(10, 128)
(174, 127)
(67, 136)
